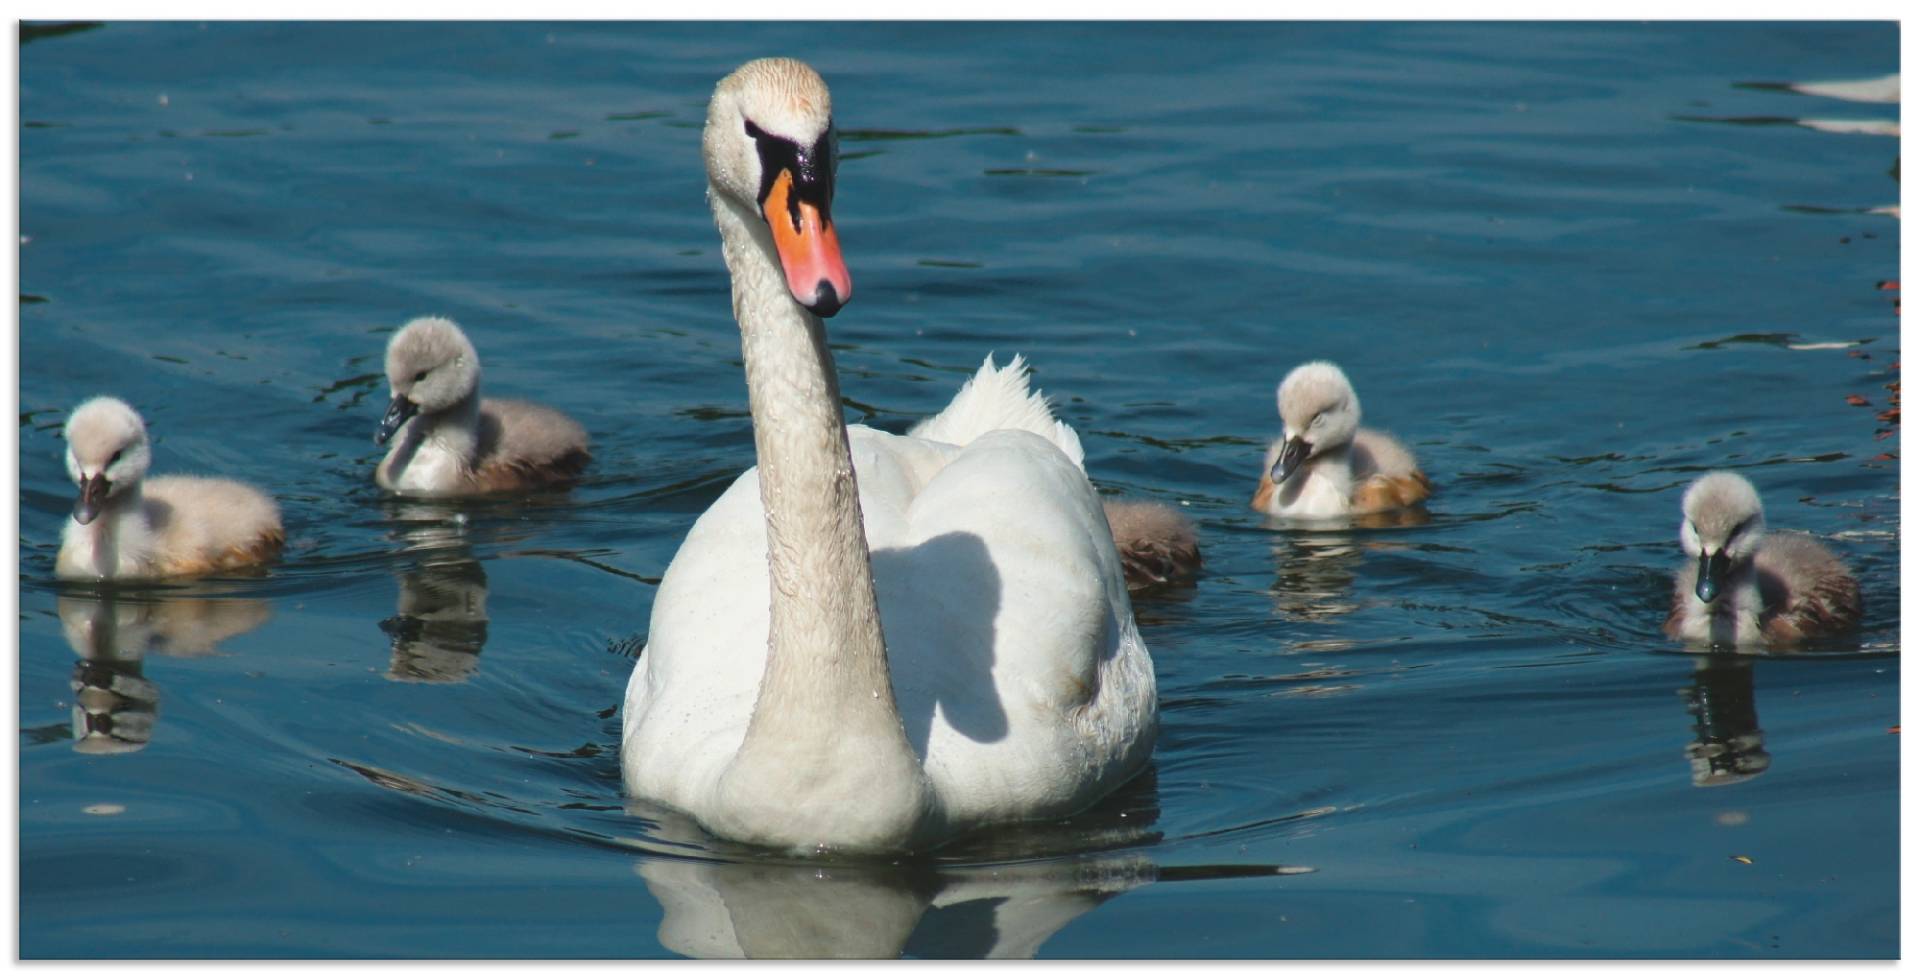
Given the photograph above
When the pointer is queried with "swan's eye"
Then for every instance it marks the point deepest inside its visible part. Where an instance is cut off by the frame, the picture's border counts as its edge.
(116, 456)
(420, 375)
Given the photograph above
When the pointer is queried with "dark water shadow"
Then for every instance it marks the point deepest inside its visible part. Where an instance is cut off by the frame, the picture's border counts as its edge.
(114, 629)
(30, 33)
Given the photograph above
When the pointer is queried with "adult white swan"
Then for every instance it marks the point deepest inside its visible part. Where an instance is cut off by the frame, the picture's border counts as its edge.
(878, 664)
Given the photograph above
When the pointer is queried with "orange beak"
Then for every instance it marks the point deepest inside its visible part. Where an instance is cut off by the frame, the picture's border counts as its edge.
(809, 250)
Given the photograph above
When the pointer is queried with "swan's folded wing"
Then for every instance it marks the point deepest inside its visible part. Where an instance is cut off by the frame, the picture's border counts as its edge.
(1021, 677)
(997, 398)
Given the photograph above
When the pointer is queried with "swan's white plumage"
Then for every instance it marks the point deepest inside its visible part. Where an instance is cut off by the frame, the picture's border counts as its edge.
(995, 398)
(1025, 690)
(874, 642)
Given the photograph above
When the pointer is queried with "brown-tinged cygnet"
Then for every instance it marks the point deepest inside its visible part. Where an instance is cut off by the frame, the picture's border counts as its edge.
(126, 526)
(1156, 543)
(1746, 586)
(1326, 465)
(451, 441)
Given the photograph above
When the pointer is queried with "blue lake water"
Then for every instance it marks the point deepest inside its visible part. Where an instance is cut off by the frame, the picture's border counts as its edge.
(1572, 266)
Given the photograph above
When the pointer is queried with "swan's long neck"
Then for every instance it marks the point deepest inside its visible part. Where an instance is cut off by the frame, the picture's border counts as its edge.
(825, 730)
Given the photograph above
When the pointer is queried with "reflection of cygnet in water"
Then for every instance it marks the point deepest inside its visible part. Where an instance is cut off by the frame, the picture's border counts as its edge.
(1727, 741)
(114, 705)
(441, 623)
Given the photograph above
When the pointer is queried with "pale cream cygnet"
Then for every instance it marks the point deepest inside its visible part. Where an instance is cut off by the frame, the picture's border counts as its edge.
(1746, 586)
(1326, 465)
(127, 526)
(452, 442)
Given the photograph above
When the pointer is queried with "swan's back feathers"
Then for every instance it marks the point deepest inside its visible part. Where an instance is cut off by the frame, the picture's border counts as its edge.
(1375, 453)
(203, 525)
(996, 398)
(1385, 475)
(524, 444)
(1804, 588)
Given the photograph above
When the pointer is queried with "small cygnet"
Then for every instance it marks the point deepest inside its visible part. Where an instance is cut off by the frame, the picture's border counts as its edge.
(1746, 586)
(452, 442)
(126, 526)
(1157, 544)
(1326, 465)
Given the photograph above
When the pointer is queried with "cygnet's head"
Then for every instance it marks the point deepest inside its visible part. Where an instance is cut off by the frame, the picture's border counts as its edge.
(107, 452)
(1722, 523)
(431, 366)
(770, 147)
(1320, 411)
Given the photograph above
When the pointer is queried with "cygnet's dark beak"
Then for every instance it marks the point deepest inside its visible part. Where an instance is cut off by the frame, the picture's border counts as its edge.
(93, 496)
(1291, 456)
(1713, 575)
(397, 414)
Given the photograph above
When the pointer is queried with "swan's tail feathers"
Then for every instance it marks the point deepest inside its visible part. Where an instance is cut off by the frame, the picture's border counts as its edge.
(996, 398)
(1157, 544)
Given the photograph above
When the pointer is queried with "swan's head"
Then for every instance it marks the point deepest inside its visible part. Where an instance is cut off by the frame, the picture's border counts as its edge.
(771, 148)
(1721, 524)
(1320, 411)
(107, 452)
(431, 366)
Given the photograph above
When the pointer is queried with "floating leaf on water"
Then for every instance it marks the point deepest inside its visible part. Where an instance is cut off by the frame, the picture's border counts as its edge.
(563, 134)
(1745, 860)
(28, 299)
(1857, 401)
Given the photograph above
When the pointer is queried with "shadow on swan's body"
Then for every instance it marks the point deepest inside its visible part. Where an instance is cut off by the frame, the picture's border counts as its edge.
(982, 667)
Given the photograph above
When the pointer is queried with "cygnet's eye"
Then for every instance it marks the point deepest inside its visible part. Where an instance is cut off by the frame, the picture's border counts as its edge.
(420, 375)
(116, 456)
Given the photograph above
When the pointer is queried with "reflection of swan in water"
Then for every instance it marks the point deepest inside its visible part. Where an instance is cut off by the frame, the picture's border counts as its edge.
(1727, 741)
(440, 623)
(1003, 903)
(112, 632)
(734, 910)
